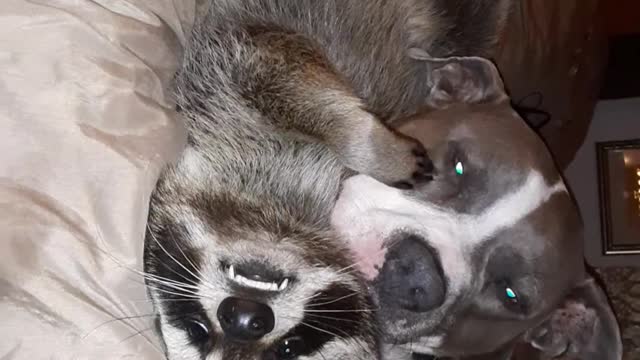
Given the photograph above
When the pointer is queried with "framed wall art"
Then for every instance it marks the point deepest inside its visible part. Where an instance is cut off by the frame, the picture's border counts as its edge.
(619, 188)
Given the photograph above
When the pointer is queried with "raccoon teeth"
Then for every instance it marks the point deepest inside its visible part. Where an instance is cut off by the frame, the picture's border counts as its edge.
(265, 286)
(260, 285)
(283, 284)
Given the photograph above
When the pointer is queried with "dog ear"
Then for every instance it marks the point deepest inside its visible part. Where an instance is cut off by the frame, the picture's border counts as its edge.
(469, 80)
(584, 327)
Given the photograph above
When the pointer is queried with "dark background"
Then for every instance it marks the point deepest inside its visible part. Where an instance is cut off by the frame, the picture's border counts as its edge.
(622, 77)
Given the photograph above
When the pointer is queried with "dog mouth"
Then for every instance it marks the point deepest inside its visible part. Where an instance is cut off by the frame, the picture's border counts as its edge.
(256, 276)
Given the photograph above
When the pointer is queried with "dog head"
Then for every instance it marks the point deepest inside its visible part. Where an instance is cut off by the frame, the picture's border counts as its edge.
(490, 251)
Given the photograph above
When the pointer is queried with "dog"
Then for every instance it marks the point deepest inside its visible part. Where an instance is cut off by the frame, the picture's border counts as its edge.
(487, 254)
(247, 253)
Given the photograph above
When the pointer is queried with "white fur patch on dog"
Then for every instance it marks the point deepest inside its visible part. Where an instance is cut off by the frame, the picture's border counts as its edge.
(513, 207)
(368, 213)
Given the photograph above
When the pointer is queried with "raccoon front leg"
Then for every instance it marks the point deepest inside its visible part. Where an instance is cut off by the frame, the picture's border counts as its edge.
(367, 146)
(298, 86)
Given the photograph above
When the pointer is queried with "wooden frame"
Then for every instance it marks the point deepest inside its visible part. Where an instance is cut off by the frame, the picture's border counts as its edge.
(618, 164)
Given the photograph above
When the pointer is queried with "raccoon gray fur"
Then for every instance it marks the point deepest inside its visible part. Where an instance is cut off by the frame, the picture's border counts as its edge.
(282, 101)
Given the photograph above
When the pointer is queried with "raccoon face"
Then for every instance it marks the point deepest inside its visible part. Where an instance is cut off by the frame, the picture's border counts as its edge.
(234, 280)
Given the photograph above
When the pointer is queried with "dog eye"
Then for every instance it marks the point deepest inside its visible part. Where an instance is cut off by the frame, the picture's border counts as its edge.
(459, 167)
(290, 348)
(457, 160)
(197, 330)
(510, 297)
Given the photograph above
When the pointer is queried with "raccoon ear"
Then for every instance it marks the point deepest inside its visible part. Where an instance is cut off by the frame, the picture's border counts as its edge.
(584, 327)
(469, 80)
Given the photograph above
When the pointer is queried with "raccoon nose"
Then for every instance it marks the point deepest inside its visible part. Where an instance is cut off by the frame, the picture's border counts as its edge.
(411, 277)
(245, 320)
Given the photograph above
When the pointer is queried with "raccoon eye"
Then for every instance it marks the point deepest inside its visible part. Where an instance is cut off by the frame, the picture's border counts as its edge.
(197, 330)
(290, 348)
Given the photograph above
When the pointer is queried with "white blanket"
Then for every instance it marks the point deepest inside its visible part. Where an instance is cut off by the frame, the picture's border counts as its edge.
(85, 125)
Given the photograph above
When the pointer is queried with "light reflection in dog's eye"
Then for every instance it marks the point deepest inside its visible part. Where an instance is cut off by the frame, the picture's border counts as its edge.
(511, 295)
(459, 168)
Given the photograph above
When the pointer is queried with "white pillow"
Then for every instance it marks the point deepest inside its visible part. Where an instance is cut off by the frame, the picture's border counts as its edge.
(85, 126)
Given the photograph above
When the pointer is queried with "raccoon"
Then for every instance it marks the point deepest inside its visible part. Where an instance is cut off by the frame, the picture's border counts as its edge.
(282, 100)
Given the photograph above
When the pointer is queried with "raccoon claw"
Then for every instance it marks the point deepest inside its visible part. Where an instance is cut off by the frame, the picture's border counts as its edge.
(423, 171)
(425, 167)
(419, 151)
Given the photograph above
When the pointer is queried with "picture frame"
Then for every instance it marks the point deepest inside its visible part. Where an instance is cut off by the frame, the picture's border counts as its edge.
(618, 167)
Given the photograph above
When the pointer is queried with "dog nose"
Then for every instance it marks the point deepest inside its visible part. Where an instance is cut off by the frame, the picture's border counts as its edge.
(245, 320)
(411, 277)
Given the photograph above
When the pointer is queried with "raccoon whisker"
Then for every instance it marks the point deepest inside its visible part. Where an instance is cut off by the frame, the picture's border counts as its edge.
(201, 276)
(355, 293)
(158, 300)
(102, 250)
(348, 269)
(155, 278)
(314, 296)
(340, 311)
(176, 293)
(147, 339)
(175, 286)
(332, 318)
(174, 259)
(347, 335)
(139, 332)
(148, 285)
(180, 291)
(321, 354)
(118, 262)
(183, 279)
(321, 323)
(186, 296)
(133, 270)
(319, 295)
(115, 319)
(125, 322)
(320, 329)
(150, 277)
(184, 289)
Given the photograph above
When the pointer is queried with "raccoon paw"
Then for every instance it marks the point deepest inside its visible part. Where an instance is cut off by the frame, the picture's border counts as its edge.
(421, 170)
(391, 158)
